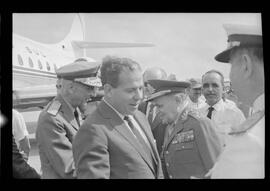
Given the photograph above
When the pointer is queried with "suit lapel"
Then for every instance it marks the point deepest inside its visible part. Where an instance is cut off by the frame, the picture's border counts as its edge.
(147, 133)
(67, 113)
(119, 125)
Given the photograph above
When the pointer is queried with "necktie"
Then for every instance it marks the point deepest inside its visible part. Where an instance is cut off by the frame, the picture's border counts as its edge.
(77, 117)
(210, 110)
(138, 136)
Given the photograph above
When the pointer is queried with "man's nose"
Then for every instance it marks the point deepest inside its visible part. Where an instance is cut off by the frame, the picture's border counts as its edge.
(210, 88)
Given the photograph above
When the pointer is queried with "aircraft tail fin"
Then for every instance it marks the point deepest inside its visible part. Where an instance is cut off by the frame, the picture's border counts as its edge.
(74, 43)
(77, 32)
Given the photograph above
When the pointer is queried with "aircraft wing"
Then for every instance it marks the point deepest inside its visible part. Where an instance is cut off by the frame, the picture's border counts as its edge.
(37, 96)
(85, 44)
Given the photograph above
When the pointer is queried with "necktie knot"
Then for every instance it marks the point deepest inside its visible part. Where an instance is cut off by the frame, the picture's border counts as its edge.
(127, 118)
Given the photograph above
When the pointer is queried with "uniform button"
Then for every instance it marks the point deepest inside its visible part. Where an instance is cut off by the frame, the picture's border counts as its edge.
(166, 152)
(167, 164)
(170, 176)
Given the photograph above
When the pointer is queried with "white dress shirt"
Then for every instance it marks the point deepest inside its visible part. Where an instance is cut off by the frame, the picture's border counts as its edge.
(226, 116)
(149, 105)
(243, 157)
(136, 125)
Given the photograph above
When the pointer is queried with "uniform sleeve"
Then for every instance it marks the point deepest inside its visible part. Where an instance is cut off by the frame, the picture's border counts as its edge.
(20, 167)
(51, 135)
(18, 126)
(91, 154)
(208, 143)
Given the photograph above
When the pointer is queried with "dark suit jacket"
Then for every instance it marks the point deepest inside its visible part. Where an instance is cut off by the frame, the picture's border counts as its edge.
(104, 147)
(56, 129)
(157, 127)
(19, 166)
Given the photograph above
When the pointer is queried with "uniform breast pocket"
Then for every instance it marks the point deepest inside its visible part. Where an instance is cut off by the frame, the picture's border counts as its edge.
(185, 153)
(184, 146)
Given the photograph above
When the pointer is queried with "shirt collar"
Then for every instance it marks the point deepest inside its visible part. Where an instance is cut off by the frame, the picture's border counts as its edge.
(218, 106)
(258, 104)
(118, 113)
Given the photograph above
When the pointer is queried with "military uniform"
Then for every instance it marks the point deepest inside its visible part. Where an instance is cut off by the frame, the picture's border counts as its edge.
(191, 149)
(56, 129)
(191, 144)
(243, 157)
(58, 123)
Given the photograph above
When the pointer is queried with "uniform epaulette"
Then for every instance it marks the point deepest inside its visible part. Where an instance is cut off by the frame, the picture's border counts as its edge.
(54, 107)
(188, 112)
(248, 124)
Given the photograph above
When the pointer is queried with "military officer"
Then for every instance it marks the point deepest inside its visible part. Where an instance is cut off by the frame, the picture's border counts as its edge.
(243, 157)
(59, 122)
(191, 144)
(157, 127)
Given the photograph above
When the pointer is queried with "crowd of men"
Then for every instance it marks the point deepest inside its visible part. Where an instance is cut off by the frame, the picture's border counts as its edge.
(146, 125)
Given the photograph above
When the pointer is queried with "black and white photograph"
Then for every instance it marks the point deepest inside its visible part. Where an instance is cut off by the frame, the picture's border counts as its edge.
(137, 96)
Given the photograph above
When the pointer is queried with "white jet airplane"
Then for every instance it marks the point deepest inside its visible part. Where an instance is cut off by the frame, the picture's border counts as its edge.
(34, 63)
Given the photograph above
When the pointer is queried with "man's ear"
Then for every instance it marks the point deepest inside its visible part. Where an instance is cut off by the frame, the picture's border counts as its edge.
(246, 65)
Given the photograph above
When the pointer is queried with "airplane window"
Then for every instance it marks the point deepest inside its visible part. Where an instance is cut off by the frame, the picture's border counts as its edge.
(48, 66)
(30, 62)
(20, 60)
(39, 65)
(28, 49)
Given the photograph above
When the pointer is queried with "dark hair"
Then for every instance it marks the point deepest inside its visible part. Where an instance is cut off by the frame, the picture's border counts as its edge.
(112, 66)
(217, 72)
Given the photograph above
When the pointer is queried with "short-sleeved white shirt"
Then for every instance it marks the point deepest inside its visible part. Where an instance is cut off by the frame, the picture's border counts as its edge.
(226, 116)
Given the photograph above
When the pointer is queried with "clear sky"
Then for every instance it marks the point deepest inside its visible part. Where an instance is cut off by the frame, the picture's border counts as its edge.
(185, 43)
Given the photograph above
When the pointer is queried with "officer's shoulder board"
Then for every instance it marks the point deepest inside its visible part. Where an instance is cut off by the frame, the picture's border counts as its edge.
(248, 124)
(54, 107)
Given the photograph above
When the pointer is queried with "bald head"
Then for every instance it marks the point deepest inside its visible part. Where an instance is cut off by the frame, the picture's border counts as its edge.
(153, 74)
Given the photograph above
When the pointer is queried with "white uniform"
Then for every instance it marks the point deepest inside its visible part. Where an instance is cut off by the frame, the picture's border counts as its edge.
(243, 157)
(226, 116)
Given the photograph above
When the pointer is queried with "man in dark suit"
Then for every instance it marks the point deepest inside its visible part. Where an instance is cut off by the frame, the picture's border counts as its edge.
(191, 144)
(59, 121)
(157, 127)
(115, 141)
